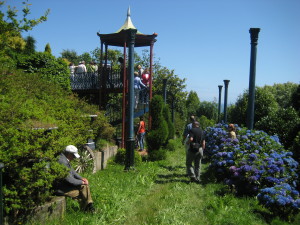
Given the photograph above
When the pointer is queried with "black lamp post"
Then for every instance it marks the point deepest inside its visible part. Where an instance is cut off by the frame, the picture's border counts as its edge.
(165, 90)
(129, 162)
(219, 107)
(251, 99)
(226, 82)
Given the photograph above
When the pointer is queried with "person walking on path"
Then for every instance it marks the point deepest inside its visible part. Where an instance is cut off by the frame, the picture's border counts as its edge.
(141, 133)
(74, 185)
(185, 136)
(196, 142)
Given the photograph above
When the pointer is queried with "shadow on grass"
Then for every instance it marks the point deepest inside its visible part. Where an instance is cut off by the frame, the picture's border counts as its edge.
(172, 168)
(172, 178)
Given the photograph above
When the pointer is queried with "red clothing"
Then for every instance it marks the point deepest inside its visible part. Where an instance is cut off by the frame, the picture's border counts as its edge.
(145, 78)
(142, 128)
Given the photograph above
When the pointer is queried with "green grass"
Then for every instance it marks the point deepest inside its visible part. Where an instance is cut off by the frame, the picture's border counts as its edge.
(159, 193)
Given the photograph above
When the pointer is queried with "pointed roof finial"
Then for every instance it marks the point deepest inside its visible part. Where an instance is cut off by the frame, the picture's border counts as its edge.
(128, 11)
(128, 23)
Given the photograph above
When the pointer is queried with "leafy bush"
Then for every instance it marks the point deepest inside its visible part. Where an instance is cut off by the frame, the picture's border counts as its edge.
(37, 120)
(121, 156)
(251, 162)
(167, 116)
(282, 199)
(158, 134)
(45, 64)
(160, 154)
(171, 146)
(285, 123)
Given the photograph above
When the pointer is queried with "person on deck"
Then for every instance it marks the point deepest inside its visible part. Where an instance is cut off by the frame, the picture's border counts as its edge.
(74, 185)
(138, 85)
(81, 68)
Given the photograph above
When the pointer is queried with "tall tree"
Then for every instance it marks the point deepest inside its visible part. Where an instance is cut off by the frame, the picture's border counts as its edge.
(48, 48)
(209, 110)
(192, 103)
(30, 45)
(11, 26)
(265, 102)
(70, 55)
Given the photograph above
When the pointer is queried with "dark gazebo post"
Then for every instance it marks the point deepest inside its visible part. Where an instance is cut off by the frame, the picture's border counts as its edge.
(165, 90)
(251, 99)
(130, 116)
(219, 107)
(226, 82)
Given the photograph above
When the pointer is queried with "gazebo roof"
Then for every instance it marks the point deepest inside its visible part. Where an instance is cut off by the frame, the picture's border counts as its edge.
(120, 37)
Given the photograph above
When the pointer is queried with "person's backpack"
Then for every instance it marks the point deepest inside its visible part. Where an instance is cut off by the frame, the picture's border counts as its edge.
(194, 146)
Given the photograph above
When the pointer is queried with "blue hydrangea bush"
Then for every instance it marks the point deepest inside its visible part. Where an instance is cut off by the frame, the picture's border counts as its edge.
(253, 164)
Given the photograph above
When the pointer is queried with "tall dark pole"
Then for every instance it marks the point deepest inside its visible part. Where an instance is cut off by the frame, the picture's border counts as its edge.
(226, 82)
(219, 107)
(251, 99)
(165, 90)
(129, 162)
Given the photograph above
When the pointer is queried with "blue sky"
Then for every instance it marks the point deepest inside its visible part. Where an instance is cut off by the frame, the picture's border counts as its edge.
(204, 41)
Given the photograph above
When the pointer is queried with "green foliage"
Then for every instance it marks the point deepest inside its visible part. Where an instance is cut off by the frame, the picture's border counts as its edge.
(282, 93)
(208, 109)
(30, 45)
(121, 156)
(12, 24)
(85, 57)
(50, 68)
(265, 103)
(285, 123)
(176, 96)
(70, 55)
(172, 145)
(160, 154)
(296, 99)
(296, 147)
(205, 122)
(37, 120)
(48, 48)
(192, 103)
(179, 124)
(167, 116)
(158, 134)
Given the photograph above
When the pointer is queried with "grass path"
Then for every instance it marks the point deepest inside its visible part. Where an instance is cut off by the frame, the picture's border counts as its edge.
(160, 193)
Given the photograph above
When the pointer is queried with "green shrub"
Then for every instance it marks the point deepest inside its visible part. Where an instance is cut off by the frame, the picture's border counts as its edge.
(45, 64)
(205, 122)
(158, 134)
(167, 116)
(28, 143)
(160, 154)
(121, 156)
(171, 146)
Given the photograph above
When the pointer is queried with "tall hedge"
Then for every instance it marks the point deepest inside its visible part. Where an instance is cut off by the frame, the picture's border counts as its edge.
(159, 133)
(30, 107)
(167, 116)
